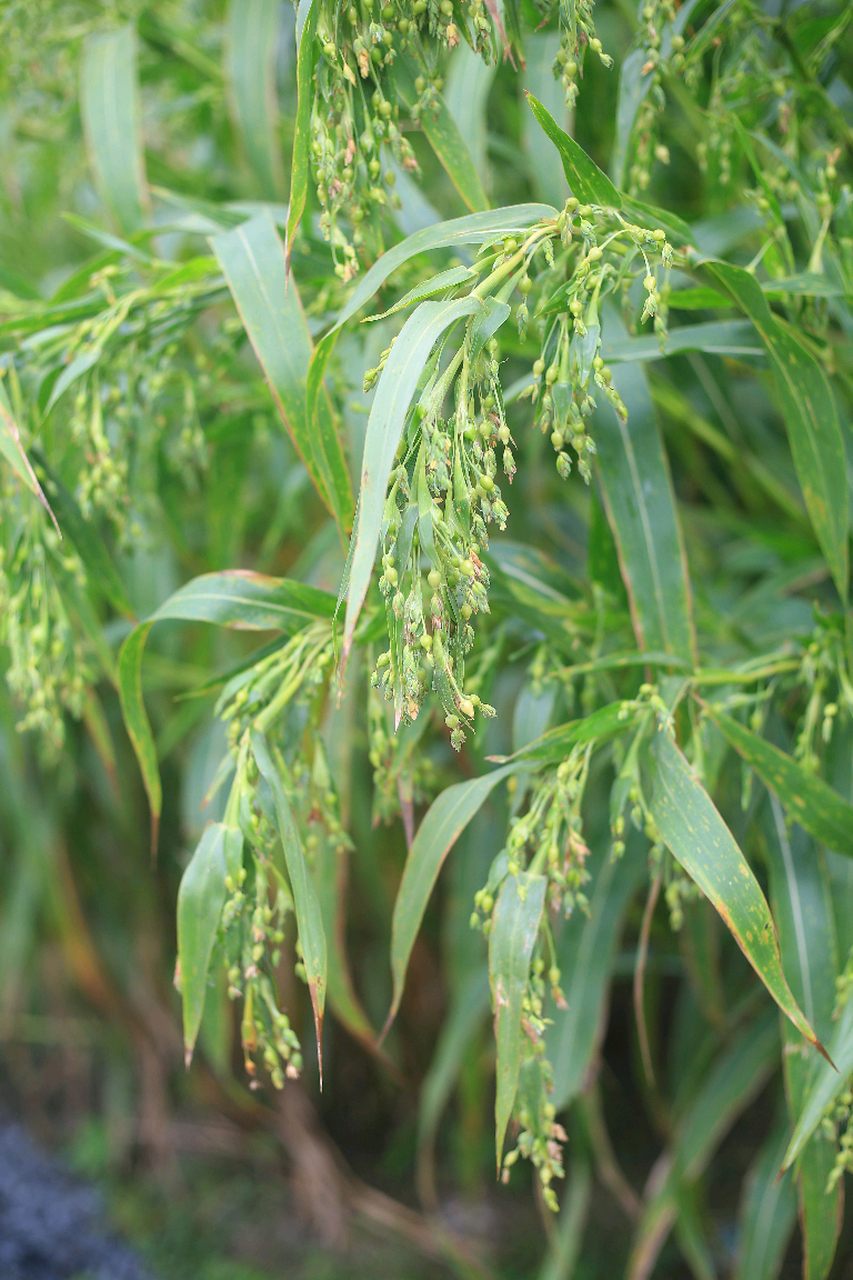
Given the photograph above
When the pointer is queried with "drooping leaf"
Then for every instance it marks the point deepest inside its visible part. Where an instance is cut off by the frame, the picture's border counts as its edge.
(699, 839)
(808, 799)
(640, 506)
(201, 898)
(252, 41)
(448, 815)
(768, 1213)
(444, 136)
(13, 451)
(103, 575)
(474, 228)
(800, 895)
(384, 429)
(827, 1082)
(307, 55)
(586, 952)
(329, 877)
(464, 1020)
(109, 104)
(729, 1087)
(252, 259)
(515, 924)
(309, 919)
(241, 599)
(808, 407)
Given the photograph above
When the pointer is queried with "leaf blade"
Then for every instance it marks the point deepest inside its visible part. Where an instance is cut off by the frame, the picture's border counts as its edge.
(252, 260)
(640, 505)
(810, 801)
(110, 109)
(448, 815)
(252, 36)
(309, 918)
(201, 897)
(515, 924)
(698, 838)
(384, 429)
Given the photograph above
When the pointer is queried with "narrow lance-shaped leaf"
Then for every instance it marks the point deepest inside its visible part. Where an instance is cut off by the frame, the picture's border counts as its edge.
(252, 44)
(698, 838)
(13, 450)
(768, 1213)
(801, 899)
(443, 135)
(448, 815)
(515, 924)
(109, 102)
(384, 428)
(309, 920)
(641, 510)
(252, 259)
(729, 1087)
(588, 183)
(826, 1084)
(474, 228)
(809, 800)
(241, 599)
(808, 407)
(201, 898)
(300, 166)
(463, 1022)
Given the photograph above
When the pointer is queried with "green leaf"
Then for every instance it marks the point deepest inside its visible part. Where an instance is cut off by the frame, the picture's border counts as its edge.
(717, 337)
(388, 412)
(443, 280)
(640, 505)
(13, 451)
(463, 1022)
(768, 1213)
(309, 919)
(809, 800)
(330, 881)
(515, 924)
(241, 599)
(800, 895)
(109, 105)
(601, 725)
(586, 952)
(729, 1087)
(307, 56)
(588, 183)
(252, 39)
(442, 133)
(201, 898)
(698, 838)
(634, 84)
(446, 817)
(830, 1079)
(103, 575)
(808, 407)
(252, 259)
(702, 298)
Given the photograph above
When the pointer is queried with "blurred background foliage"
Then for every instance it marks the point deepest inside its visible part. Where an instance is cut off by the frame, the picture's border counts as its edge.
(160, 449)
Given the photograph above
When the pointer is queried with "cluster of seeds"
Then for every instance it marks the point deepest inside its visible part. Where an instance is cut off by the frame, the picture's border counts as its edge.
(373, 57)
(50, 667)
